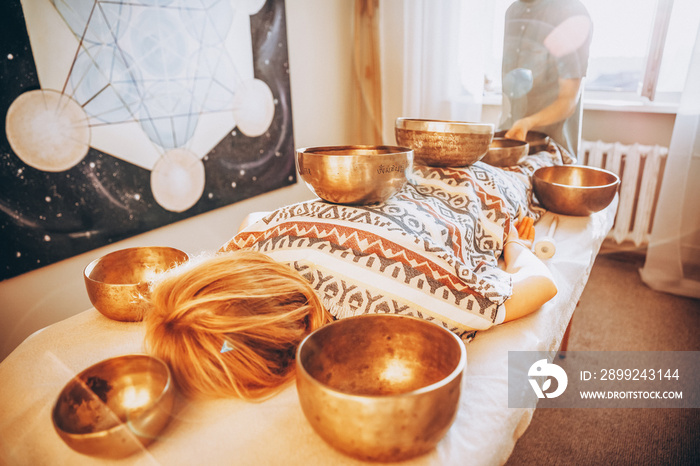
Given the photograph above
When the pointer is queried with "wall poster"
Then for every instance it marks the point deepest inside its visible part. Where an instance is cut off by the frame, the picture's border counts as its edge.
(121, 116)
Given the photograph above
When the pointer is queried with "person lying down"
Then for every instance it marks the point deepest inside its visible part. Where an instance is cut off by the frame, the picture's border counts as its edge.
(446, 248)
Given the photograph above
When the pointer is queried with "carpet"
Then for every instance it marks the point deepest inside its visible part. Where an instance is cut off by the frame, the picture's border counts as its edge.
(618, 312)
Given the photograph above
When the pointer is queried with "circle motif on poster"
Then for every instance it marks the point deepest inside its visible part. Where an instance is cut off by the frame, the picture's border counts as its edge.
(48, 130)
(253, 107)
(177, 180)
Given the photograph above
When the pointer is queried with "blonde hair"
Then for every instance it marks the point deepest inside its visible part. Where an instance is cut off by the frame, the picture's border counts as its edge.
(229, 325)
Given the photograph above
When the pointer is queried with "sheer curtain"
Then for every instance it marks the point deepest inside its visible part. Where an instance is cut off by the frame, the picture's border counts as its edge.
(673, 257)
(443, 44)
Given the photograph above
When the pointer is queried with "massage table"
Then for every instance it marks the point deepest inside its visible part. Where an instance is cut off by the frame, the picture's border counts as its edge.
(275, 431)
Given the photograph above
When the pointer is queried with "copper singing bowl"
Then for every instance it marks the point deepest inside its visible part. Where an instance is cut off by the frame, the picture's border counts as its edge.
(118, 283)
(381, 387)
(506, 152)
(536, 140)
(574, 189)
(354, 174)
(115, 407)
(443, 143)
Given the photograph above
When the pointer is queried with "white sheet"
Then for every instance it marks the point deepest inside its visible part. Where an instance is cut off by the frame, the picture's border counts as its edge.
(275, 432)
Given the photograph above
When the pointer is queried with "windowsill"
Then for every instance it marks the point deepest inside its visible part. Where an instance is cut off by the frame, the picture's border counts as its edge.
(629, 106)
(607, 105)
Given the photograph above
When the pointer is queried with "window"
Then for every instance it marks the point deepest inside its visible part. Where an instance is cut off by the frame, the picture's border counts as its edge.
(620, 44)
(632, 40)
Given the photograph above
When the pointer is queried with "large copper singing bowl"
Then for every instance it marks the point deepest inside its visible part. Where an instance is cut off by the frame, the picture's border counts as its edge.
(381, 387)
(443, 143)
(354, 174)
(118, 283)
(574, 189)
(506, 152)
(115, 407)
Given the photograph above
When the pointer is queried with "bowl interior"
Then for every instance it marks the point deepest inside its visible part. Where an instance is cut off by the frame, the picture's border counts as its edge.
(376, 355)
(504, 143)
(537, 141)
(576, 176)
(353, 150)
(532, 137)
(133, 265)
(110, 393)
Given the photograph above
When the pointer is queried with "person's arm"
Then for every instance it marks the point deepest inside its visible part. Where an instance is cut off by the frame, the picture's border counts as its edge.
(533, 284)
(561, 109)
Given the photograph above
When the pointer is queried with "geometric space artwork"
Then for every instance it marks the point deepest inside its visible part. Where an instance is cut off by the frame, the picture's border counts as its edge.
(121, 116)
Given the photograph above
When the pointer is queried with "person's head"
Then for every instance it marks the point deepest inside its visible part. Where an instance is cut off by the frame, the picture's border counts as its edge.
(229, 325)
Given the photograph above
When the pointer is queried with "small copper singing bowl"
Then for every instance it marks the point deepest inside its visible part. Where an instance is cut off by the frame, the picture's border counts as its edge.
(536, 140)
(381, 387)
(505, 152)
(116, 407)
(118, 283)
(576, 190)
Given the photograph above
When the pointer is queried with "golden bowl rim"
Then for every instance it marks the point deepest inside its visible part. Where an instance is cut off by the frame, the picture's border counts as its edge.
(94, 262)
(616, 178)
(514, 143)
(169, 385)
(538, 136)
(459, 369)
(466, 127)
(326, 151)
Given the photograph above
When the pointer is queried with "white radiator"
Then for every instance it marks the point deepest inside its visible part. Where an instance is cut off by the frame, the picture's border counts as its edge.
(640, 169)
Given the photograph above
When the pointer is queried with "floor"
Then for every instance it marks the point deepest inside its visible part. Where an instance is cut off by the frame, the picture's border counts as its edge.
(618, 312)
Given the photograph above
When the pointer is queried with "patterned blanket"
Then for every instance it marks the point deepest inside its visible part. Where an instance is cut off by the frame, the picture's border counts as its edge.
(431, 251)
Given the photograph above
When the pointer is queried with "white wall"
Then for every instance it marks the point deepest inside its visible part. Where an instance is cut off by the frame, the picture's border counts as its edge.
(628, 127)
(319, 42)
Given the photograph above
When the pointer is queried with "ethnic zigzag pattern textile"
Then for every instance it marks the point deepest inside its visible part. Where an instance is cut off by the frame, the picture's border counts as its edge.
(431, 251)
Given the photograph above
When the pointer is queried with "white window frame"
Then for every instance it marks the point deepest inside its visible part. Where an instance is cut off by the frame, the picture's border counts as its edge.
(662, 19)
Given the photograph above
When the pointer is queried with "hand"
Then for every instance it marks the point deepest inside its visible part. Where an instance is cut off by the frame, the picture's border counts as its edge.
(519, 130)
(561, 109)
(523, 231)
